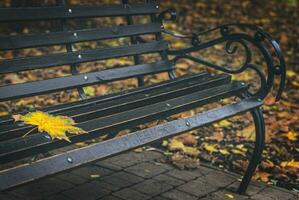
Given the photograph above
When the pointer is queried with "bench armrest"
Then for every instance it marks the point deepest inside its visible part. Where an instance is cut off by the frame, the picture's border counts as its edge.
(249, 37)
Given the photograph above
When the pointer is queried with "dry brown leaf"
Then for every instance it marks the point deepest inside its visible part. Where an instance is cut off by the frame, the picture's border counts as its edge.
(263, 176)
(187, 139)
(292, 164)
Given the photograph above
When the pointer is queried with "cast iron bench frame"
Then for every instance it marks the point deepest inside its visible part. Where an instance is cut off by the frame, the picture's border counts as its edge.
(266, 45)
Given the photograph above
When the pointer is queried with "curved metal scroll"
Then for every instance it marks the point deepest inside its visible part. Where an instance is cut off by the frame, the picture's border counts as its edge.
(233, 39)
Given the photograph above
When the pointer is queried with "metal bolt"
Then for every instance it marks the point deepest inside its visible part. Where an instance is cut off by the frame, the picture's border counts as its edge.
(70, 11)
(69, 160)
(157, 7)
(75, 34)
(242, 83)
(48, 137)
(85, 78)
(168, 105)
(79, 56)
(259, 99)
(188, 123)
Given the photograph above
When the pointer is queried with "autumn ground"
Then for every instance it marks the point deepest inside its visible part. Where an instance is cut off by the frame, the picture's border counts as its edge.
(226, 144)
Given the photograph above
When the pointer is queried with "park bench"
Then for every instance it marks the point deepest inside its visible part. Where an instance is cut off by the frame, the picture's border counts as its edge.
(112, 113)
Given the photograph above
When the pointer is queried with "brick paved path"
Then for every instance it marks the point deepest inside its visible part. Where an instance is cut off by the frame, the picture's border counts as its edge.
(140, 176)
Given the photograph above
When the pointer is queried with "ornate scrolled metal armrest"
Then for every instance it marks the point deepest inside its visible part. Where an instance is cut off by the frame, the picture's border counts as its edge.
(272, 56)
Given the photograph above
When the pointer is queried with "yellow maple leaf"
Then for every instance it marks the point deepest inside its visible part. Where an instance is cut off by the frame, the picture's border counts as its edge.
(263, 176)
(175, 145)
(192, 151)
(224, 151)
(237, 151)
(291, 136)
(292, 163)
(211, 147)
(55, 126)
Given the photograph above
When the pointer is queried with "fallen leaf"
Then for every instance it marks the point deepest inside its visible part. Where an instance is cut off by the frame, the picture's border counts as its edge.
(263, 176)
(229, 196)
(2, 113)
(182, 161)
(292, 163)
(291, 135)
(55, 126)
(187, 139)
(222, 124)
(192, 151)
(247, 133)
(237, 151)
(224, 151)
(175, 145)
(211, 148)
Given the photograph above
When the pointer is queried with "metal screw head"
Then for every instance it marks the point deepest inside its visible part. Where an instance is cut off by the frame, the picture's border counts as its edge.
(157, 7)
(75, 34)
(188, 123)
(69, 160)
(168, 105)
(85, 78)
(48, 137)
(79, 56)
(70, 11)
(259, 99)
(242, 83)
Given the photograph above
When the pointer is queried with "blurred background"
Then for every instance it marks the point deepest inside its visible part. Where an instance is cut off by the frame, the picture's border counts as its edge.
(226, 144)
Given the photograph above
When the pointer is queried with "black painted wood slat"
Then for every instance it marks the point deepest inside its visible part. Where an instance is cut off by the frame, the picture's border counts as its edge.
(37, 143)
(70, 12)
(73, 81)
(74, 158)
(38, 62)
(56, 109)
(54, 38)
(126, 103)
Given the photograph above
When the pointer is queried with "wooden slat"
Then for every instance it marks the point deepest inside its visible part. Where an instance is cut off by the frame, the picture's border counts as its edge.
(71, 82)
(38, 143)
(6, 120)
(35, 40)
(38, 62)
(74, 158)
(125, 103)
(69, 12)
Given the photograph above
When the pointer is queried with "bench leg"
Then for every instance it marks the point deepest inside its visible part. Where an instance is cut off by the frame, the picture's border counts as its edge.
(258, 149)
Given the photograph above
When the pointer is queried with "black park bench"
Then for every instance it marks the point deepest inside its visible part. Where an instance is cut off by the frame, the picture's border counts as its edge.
(111, 113)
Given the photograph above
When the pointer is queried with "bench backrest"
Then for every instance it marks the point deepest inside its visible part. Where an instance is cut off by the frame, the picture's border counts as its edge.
(63, 13)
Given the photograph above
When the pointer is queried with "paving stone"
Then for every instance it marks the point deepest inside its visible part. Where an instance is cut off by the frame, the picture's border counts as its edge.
(108, 186)
(159, 198)
(152, 187)
(199, 187)
(178, 195)
(251, 190)
(72, 178)
(109, 164)
(220, 179)
(110, 197)
(8, 197)
(89, 170)
(57, 197)
(185, 175)
(221, 194)
(131, 194)
(146, 170)
(116, 181)
(168, 180)
(42, 188)
(87, 191)
(128, 177)
(270, 193)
